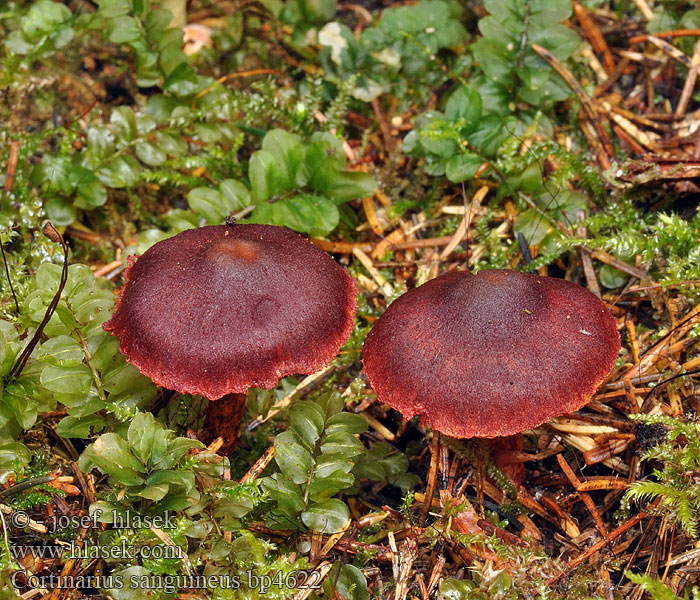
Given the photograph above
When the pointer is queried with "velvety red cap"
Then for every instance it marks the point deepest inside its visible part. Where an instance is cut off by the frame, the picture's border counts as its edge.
(490, 354)
(219, 309)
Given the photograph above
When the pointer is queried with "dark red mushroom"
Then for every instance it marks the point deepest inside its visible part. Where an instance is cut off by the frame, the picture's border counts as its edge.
(491, 354)
(219, 309)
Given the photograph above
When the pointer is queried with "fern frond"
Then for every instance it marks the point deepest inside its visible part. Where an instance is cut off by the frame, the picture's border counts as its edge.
(656, 589)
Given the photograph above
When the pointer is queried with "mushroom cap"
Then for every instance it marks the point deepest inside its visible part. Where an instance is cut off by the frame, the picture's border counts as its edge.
(219, 309)
(490, 354)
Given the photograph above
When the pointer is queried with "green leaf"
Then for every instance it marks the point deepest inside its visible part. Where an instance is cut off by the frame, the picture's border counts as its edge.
(18, 397)
(111, 454)
(293, 459)
(73, 427)
(101, 142)
(462, 167)
(549, 12)
(56, 172)
(287, 149)
(326, 517)
(350, 584)
(157, 20)
(16, 44)
(563, 202)
(123, 171)
(348, 422)
(326, 487)
(89, 304)
(182, 81)
(305, 213)
(455, 589)
(68, 380)
(317, 11)
(177, 448)
(233, 507)
(349, 185)
(328, 464)
(150, 154)
(553, 90)
(558, 39)
(529, 180)
(44, 17)
(12, 456)
(160, 483)
(123, 377)
(495, 58)
(235, 195)
(155, 491)
(306, 419)
(179, 219)
(490, 134)
(342, 442)
(370, 470)
(81, 406)
(321, 165)
(395, 463)
(208, 203)
(124, 30)
(123, 121)
(266, 176)
(9, 346)
(113, 8)
(501, 27)
(170, 47)
(171, 144)
(611, 278)
(147, 438)
(533, 225)
(282, 489)
(91, 195)
(331, 402)
(465, 104)
(145, 123)
(127, 583)
(443, 147)
(62, 351)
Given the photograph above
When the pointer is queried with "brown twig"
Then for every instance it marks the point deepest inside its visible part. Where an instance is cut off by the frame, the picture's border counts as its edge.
(608, 153)
(599, 545)
(638, 39)
(600, 46)
(690, 80)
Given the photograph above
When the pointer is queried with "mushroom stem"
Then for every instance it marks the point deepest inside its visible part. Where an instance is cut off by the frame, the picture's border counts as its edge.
(502, 450)
(432, 474)
(222, 418)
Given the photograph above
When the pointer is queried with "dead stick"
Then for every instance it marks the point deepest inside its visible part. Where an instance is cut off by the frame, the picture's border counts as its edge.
(615, 533)
(600, 46)
(583, 98)
(384, 128)
(586, 260)
(690, 80)
(11, 167)
(674, 33)
(644, 9)
(259, 465)
(608, 259)
(672, 51)
(587, 501)
(347, 247)
(631, 142)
